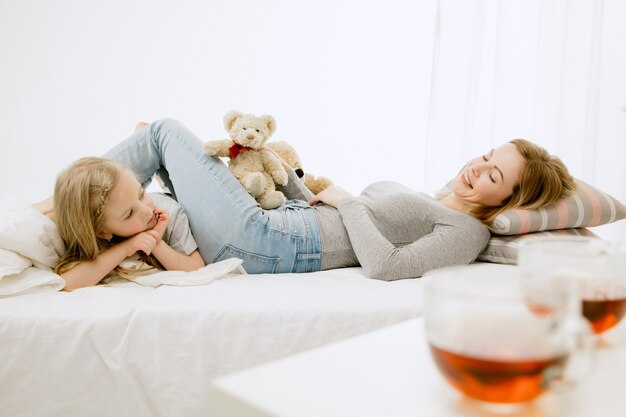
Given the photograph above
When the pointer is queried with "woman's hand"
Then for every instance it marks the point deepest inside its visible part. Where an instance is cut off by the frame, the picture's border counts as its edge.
(331, 196)
(140, 126)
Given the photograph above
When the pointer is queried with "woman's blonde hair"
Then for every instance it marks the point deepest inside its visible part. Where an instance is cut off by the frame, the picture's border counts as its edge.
(80, 194)
(543, 181)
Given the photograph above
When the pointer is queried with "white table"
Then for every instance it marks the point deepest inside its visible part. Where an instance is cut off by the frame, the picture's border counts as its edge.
(389, 373)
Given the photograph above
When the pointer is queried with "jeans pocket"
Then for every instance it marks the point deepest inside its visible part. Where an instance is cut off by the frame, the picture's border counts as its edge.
(308, 262)
(253, 263)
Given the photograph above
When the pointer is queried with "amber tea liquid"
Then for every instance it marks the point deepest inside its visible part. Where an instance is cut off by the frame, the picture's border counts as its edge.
(604, 314)
(498, 381)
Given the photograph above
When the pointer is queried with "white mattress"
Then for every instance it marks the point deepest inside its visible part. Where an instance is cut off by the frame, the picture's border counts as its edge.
(128, 350)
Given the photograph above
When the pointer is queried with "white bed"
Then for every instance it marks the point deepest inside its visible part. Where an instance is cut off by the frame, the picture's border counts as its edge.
(130, 350)
(134, 350)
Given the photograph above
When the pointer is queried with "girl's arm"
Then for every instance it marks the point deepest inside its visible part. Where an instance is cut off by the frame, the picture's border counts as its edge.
(89, 273)
(176, 261)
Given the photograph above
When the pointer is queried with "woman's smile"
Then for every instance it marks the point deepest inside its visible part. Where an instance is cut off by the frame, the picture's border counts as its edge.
(465, 179)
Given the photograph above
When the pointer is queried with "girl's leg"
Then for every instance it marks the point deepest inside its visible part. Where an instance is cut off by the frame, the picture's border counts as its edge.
(225, 220)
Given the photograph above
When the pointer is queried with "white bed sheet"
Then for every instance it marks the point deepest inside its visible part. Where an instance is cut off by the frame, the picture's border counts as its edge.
(128, 350)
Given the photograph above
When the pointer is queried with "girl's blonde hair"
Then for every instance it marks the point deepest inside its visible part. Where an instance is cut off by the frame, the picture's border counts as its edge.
(80, 194)
(543, 181)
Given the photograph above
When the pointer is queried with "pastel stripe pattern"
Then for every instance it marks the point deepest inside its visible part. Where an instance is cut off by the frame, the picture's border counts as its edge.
(562, 215)
(587, 206)
(595, 204)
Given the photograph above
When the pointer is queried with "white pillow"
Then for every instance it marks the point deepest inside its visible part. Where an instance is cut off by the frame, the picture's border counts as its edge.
(18, 276)
(503, 249)
(29, 280)
(587, 206)
(29, 233)
(11, 263)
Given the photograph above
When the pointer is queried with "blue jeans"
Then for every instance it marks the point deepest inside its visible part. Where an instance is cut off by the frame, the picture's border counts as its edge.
(225, 220)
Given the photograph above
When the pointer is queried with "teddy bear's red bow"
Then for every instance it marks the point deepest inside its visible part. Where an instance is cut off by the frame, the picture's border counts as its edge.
(236, 148)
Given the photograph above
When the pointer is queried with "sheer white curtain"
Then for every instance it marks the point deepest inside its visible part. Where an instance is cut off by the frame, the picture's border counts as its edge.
(550, 71)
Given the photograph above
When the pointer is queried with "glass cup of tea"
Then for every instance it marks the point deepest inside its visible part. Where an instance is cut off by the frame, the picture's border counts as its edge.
(597, 267)
(489, 345)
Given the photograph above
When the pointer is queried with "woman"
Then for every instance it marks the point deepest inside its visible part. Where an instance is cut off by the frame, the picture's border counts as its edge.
(390, 230)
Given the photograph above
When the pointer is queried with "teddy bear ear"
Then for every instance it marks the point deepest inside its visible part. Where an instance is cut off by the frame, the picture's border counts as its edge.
(270, 123)
(230, 118)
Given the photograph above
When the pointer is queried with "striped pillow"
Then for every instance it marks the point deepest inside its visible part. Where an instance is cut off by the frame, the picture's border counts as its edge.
(587, 206)
(503, 249)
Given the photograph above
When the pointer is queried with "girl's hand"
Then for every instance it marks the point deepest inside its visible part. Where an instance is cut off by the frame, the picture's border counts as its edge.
(144, 242)
(163, 219)
(331, 196)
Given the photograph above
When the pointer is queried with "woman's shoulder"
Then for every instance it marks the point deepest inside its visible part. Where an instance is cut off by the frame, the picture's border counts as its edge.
(466, 224)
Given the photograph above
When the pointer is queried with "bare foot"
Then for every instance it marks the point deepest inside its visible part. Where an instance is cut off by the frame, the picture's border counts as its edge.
(140, 126)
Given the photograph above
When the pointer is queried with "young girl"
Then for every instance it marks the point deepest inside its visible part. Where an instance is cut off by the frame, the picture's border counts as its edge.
(104, 216)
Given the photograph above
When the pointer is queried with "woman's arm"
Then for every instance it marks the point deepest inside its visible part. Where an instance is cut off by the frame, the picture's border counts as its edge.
(449, 243)
(332, 196)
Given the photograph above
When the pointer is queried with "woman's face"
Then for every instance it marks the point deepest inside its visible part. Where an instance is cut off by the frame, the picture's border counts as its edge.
(489, 179)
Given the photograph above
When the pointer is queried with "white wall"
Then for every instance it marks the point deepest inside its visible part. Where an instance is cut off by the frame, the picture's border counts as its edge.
(348, 88)
(365, 90)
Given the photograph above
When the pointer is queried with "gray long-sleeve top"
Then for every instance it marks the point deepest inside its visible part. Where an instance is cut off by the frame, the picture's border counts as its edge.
(399, 233)
(394, 232)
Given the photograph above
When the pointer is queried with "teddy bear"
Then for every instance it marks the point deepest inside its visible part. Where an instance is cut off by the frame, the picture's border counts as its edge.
(256, 169)
(289, 155)
(316, 185)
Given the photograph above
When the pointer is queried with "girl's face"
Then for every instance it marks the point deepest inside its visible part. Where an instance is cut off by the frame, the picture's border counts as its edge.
(129, 210)
(490, 178)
